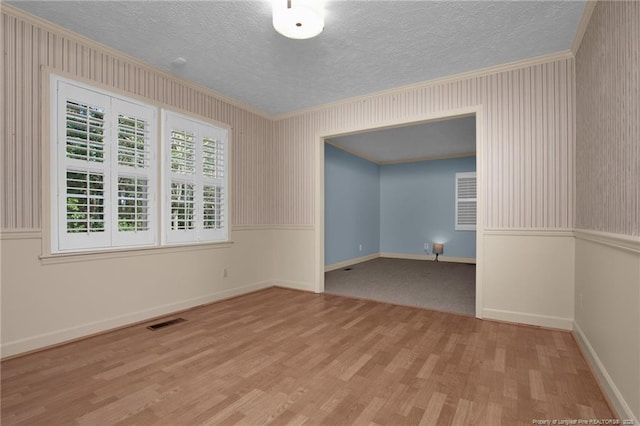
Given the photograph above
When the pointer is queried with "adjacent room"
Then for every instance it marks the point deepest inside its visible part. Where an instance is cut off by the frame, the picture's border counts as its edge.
(229, 212)
(394, 200)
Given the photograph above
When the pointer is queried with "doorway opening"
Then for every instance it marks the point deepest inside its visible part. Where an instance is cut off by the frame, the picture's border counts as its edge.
(406, 239)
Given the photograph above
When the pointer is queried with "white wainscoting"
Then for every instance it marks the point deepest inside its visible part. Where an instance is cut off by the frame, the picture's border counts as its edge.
(529, 276)
(47, 304)
(607, 314)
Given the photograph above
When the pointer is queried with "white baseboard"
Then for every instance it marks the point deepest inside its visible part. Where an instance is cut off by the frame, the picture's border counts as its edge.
(293, 285)
(526, 318)
(356, 260)
(610, 388)
(349, 262)
(428, 257)
(85, 330)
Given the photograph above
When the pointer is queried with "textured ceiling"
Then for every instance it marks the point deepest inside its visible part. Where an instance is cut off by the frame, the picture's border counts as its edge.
(433, 139)
(367, 46)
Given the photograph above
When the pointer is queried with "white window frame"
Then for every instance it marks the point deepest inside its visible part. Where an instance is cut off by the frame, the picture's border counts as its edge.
(212, 173)
(63, 89)
(173, 121)
(459, 198)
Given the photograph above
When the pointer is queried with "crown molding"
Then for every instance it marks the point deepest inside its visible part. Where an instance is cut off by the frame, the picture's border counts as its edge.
(430, 158)
(353, 152)
(64, 32)
(509, 66)
(402, 161)
(582, 26)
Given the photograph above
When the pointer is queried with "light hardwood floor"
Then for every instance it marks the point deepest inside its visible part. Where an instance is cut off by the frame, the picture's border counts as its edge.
(287, 357)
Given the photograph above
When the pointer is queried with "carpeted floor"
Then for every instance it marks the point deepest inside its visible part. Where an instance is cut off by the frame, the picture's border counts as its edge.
(443, 286)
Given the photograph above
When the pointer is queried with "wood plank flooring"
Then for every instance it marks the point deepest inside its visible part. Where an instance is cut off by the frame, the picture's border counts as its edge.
(287, 357)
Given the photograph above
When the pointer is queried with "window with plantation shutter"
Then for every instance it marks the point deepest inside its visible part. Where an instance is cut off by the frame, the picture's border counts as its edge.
(106, 157)
(466, 203)
(104, 170)
(196, 180)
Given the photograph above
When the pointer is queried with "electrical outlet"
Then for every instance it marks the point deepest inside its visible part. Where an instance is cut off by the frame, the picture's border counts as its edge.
(225, 273)
(360, 247)
(426, 246)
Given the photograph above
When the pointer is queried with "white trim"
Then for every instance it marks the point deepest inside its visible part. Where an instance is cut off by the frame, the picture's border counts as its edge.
(349, 262)
(607, 383)
(319, 215)
(582, 25)
(54, 259)
(480, 207)
(353, 152)
(273, 228)
(294, 285)
(20, 234)
(431, 158)
(619, 241)
(319, 186)
(401, 161)
(410, 256)
(60, 336)
(70, 35)
(533, 232)
(527, 318)
(509, 66)
(66, 33)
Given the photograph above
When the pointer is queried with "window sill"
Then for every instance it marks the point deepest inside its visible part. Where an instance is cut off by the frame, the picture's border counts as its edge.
(53, 259)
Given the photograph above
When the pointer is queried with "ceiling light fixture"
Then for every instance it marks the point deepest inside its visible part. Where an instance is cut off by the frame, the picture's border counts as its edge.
(299, 19)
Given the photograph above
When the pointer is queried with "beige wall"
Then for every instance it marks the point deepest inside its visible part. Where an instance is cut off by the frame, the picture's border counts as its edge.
(528, 133)
(529, 277)
(528, 151)
(528, 115)
(44, 304)
(608, 120)
(50, 301)
(526, 155)
(607, 267)
(32, 44)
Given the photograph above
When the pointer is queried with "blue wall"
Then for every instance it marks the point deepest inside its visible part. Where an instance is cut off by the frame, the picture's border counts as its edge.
(417, 206)
(391, 209)
(351, 206)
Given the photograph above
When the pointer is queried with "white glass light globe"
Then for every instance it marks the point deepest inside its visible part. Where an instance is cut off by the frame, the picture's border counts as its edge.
(304, 19)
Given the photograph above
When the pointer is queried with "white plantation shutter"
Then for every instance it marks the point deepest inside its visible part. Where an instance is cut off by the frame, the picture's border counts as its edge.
(81, 180)
(214, 183)
(103, 170)
(196, 180)
(134, 176)
(105, 163)
(466, 201)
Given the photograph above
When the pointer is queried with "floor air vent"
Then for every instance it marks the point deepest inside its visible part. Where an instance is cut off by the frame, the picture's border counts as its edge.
(159, 325)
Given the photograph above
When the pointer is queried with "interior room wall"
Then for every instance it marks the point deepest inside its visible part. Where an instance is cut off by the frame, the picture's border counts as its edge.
(526, 124)
(352, 206)
(391, 209)
(417, 206)
(607, 267)
(46, 302)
